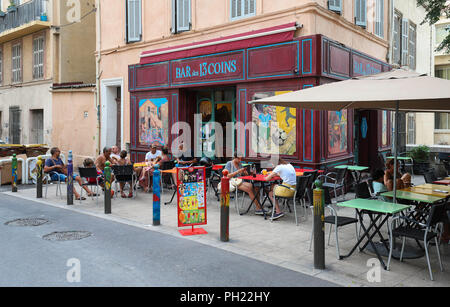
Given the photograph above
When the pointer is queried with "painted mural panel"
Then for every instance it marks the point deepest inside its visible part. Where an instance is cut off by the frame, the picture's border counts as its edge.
(384, 128)
(154, 121)
(337, 132)
(270, 139)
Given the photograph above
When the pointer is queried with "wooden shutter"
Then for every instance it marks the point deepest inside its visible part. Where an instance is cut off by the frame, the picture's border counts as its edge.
(405, 41)
(134, 24)
(236, 8)
(379, 18)
(335, 5)
(360, 13)
(412, 46)
(249, 7)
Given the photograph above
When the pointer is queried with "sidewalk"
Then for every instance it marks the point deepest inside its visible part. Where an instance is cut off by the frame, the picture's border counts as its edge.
(280, 242)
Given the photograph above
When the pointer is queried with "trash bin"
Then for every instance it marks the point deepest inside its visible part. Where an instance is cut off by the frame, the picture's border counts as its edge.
(7, 150)
(35, 150)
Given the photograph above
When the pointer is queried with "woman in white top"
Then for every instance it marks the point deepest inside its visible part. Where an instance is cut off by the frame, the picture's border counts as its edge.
(287, 189)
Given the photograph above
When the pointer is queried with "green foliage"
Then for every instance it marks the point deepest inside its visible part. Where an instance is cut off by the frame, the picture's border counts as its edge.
(435, 10)
(420, 153)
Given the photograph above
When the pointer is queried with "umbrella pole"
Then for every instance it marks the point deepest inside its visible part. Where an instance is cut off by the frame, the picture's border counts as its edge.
(396, 151)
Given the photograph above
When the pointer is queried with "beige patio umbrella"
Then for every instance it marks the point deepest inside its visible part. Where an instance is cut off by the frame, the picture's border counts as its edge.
(399, 90)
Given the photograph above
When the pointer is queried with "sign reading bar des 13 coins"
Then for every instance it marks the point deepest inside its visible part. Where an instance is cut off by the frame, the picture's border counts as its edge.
(228, 66)
(191, 199)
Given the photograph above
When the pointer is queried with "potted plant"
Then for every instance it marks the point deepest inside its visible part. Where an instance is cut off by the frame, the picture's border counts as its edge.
(44, 17)
(12, 6)
(421, 158)
(2, 14)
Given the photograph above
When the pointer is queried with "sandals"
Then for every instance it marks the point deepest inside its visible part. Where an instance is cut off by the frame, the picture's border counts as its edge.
(82, 198)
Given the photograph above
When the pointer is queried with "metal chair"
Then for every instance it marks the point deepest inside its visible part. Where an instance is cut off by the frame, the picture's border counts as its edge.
(47, 179)
(337, 181)
(407, 163)
(87, 173)
(411, 228)
(123, 174)
(167, 179)
(299, 195)
(430, 176)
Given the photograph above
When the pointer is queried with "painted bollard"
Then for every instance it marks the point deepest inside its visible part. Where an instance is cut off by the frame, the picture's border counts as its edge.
(39, 176)
(14, 173)
(225, 207)
(156, 196)
(319, 230)
(107, 173)
(70, 179)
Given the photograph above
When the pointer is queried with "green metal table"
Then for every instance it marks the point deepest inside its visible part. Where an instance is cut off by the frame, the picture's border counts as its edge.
(416, 197)
(376, 209)
(355, 171)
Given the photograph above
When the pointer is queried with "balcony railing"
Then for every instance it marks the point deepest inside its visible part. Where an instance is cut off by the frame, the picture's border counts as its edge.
(23, 14)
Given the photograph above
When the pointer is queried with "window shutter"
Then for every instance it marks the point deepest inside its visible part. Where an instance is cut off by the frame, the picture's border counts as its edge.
(183, 15)
(405, 41)
(379, 21)
(134, 20)
(335, 5)
(360, 12)
(412, 47)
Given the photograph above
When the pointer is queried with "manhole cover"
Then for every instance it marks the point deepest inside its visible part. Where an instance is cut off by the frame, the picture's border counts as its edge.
(27, 222)
(67, 235)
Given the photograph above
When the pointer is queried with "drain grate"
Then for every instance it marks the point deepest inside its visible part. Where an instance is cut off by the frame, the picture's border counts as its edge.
(27, 222)
(67, 235)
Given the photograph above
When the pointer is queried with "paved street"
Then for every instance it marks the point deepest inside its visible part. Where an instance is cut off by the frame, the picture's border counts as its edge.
(121, 255)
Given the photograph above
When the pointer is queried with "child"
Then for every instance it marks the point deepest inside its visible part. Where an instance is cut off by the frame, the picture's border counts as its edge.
(89, 163)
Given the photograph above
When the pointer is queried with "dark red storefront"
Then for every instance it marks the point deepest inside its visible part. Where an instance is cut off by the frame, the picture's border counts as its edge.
(217, 78)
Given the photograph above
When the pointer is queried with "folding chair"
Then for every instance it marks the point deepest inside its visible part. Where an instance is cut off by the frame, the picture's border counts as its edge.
(123, 174)
(87, 173)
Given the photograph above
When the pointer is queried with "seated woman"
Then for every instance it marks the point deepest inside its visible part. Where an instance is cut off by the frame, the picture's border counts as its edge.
(235, 169)
(378, 184)
(403, 181)
(287, 189)
(145, 177)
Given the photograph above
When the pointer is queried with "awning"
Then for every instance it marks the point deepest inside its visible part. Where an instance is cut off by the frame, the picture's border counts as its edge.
(272, 35)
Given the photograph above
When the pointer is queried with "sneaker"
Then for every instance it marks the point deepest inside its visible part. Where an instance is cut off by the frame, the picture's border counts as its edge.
(260, 212)
(277, 215)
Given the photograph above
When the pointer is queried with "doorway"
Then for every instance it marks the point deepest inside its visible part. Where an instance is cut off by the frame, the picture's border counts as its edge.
(14, 125)
(112, 113)
(37, 126)
(216, 108)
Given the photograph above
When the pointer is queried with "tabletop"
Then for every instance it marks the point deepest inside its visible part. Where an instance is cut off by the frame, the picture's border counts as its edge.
(428, 191)
(400, 158)
(352, 167)
(258, 177)
(170, 171)
(374, 205)
(434, 187)
(442, 182)
(414, 196)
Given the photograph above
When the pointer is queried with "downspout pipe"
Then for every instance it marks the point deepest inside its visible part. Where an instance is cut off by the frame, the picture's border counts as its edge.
(97, 76)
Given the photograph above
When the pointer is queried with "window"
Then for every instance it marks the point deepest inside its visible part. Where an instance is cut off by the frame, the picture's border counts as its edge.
(360, 13)
(1, 66)
(134, 23)
(17, 63)
(441, 121)
(441, 33)
(38, 58)
(379, 19)
(397, 38)
(242, 8)
(412, 46)
(411, 133)
(181, 16)
(443, 73)
(335, 6)
(405, 42)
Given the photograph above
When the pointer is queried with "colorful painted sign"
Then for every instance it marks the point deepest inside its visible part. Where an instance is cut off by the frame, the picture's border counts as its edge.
(365, 67)
(191, 196)
(267, 139)
(153, 121)
(218, 67)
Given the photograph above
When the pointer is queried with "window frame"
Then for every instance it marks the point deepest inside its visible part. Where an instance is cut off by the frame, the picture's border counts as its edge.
(39, 53)
(13, 58)
(335, 8)
(435, 124)
(360, 22)
(243, 15)
(138, 37)
(176, 28)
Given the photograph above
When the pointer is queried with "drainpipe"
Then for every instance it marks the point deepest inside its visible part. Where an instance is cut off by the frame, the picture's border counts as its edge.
(97, 76)
(391, 30)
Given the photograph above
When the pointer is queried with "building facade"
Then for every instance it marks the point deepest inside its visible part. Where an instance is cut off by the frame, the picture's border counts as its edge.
(170, 60)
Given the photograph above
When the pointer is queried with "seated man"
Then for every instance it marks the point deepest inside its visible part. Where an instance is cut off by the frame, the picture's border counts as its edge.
(287, 173)
(183, 157)
(55, 167)
(151, 158)
(100, 163)
(403, 181)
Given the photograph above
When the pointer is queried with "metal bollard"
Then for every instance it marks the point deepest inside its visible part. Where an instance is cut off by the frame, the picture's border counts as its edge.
(319, 226)
(14, 173)
(225, 207)
(156, 196)
(107, 173)
(70, 179)
(39, 176)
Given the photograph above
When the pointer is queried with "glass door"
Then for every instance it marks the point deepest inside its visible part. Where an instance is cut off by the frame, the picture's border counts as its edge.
(216, 108)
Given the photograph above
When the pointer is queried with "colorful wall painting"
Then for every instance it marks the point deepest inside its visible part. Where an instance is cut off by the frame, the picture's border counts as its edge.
(154, 121)
(384, 128)
(337, 132)
(267, 139)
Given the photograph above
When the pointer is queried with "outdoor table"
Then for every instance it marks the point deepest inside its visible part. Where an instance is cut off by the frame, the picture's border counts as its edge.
(428, 190)
(416, 197)
(355, 170)
(376, 209)
(259, 178)
(171, 171)
(442, 182)
(218, 167)
(140, 164)
(434, 187)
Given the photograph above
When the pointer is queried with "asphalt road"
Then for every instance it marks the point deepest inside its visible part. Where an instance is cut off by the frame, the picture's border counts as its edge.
(120, 255)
